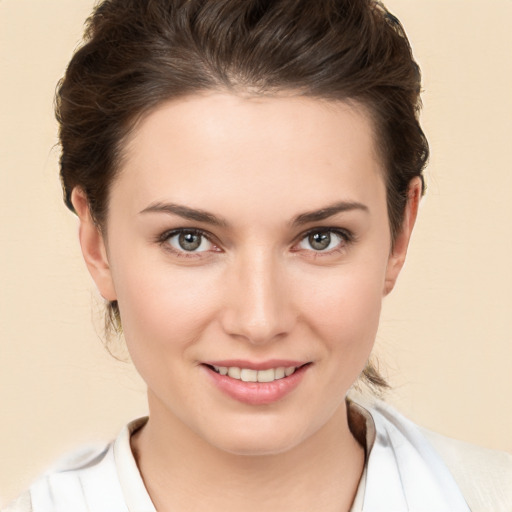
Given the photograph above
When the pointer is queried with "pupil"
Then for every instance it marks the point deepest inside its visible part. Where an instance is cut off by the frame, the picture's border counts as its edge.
(189, 241)
(320, 241)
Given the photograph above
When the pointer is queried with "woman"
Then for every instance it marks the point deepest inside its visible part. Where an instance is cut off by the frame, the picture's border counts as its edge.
(247, 177)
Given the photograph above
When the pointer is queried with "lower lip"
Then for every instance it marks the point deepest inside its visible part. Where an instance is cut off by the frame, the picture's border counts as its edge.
(257, 393)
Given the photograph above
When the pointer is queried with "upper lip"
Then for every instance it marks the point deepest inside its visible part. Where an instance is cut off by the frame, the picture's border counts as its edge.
(256, 365)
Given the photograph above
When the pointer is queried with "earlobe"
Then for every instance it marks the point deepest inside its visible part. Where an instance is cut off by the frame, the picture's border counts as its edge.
(397, 256)
(93, 246)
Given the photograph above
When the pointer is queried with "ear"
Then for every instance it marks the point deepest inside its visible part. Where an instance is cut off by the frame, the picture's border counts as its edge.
(93, 246)
(397, 257)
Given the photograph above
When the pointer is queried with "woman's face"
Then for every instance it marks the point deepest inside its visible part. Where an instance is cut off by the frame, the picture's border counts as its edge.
(249, 235)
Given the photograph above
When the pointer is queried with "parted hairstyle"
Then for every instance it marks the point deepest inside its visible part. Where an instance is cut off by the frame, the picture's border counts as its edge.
(138, 54)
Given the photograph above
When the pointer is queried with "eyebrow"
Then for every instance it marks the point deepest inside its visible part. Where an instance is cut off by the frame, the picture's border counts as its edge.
(329, 211)
(209, 218)
(186, 213)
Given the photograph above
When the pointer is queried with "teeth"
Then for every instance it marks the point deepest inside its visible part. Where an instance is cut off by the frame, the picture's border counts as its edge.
(267, 375)
(234, 372)
(280, 373)
(288, 371)
(248, 375)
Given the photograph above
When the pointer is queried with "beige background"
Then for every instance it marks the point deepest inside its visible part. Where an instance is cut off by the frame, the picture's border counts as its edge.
(446, 336)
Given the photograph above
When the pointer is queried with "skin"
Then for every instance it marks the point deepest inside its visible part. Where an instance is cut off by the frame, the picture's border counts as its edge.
(257, 290)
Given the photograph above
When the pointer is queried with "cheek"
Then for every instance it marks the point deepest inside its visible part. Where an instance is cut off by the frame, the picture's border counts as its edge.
(344, 308)
(164, 309)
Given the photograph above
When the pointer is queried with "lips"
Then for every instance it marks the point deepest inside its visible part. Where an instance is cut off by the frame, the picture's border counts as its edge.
(256, 384)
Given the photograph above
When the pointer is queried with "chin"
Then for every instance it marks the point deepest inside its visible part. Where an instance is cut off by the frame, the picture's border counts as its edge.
(257, 444)
(257, 436)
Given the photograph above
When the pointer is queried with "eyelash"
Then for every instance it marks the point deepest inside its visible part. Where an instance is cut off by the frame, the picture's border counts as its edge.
(346, 236)
(164, 238)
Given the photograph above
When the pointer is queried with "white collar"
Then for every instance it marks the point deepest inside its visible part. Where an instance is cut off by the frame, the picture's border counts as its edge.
(135, 493)
(403, 472)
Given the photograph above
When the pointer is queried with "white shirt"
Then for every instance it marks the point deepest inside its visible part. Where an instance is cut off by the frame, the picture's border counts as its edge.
(403, 472)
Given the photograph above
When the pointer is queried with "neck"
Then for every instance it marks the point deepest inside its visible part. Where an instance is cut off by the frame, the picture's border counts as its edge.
(183, 472)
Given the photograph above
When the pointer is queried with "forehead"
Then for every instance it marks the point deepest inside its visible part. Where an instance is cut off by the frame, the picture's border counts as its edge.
(274, 148)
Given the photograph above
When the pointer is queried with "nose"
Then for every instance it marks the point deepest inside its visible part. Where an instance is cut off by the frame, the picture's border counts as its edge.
(258, 304)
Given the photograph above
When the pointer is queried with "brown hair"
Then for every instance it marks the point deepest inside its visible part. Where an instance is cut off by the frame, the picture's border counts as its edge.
(139, 53)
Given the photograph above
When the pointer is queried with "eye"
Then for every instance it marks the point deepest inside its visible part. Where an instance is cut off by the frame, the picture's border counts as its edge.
(324, 240)
(189, 240)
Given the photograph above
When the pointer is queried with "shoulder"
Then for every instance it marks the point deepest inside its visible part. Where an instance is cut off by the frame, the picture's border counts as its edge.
(22, 504)
(484, 476)
(73, 482)
(100, 478)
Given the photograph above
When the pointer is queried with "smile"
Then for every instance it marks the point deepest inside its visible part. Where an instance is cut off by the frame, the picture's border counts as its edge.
(254, 383)
(249, 375)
